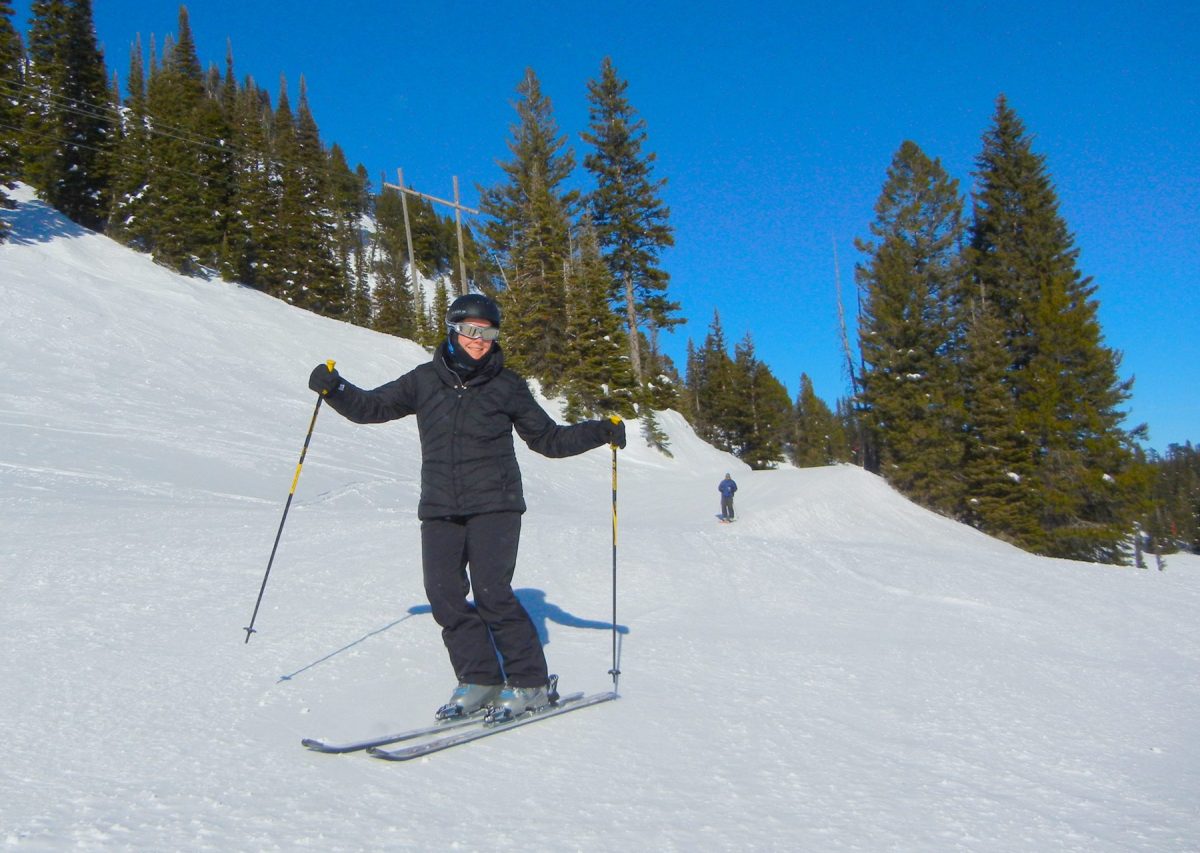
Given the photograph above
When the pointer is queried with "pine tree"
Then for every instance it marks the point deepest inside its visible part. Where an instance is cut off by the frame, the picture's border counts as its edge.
(349, 198)
(359, 274)
(714, 383)
(282, 247)
(251, 228)
(819, 438)
(191, 172)
(1173, 521)
(437, 313)
(528, 230)
(631, 218)
(395, 308)
(128, 221)
(599, 382)
(909, 334)
(308, 217)
(11, 82)
(763, 418)
(68, 125)
(999, 494)
(1063, 380)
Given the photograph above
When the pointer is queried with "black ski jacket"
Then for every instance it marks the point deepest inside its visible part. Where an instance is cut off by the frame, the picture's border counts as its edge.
(468, 462)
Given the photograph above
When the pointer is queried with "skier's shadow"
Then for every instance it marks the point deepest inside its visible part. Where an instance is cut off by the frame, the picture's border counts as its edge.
(541, 612)
(533, 600)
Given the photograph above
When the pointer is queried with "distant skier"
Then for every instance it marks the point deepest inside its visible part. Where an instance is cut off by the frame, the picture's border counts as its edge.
(727, 488)
(467, 405)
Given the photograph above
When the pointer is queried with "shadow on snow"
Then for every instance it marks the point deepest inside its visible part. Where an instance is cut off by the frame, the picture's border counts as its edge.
(534, 601)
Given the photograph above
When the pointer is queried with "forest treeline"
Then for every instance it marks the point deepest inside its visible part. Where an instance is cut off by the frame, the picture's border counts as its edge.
(981, 384)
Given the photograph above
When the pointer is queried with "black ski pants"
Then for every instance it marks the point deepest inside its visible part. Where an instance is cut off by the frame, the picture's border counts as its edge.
(727, 506)
(496, 622)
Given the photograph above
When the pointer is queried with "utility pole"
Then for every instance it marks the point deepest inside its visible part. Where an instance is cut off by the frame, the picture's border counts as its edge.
(412, 259)
(458, 210)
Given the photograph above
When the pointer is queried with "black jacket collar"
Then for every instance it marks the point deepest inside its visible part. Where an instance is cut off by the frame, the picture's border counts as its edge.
(458, 375)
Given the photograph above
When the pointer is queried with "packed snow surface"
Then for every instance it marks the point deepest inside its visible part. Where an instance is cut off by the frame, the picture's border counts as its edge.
(839, 670)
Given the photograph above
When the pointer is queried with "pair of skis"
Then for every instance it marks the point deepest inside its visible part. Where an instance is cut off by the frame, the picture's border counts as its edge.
(434, 738)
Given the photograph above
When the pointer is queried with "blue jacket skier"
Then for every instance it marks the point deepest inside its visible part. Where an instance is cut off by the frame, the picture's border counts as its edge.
(727, 488)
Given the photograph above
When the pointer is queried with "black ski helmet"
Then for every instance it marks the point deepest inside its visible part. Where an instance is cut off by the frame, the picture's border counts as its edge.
(473, 306)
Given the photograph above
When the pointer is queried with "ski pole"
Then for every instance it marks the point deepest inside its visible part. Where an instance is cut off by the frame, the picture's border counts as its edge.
(614, 672)
(295, 479)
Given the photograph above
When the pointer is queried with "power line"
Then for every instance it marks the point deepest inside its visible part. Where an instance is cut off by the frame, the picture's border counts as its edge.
(77, 144)
(90, 109)
(155, 127)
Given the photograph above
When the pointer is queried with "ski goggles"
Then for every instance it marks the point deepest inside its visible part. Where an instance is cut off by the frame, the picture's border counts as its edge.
(488, 333)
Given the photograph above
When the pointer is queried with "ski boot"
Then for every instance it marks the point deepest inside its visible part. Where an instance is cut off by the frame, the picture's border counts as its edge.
(516, 701)
(468, 699)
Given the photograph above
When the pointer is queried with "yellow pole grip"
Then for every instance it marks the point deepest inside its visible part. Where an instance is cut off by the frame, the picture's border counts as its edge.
(328, 363)
(616, 419)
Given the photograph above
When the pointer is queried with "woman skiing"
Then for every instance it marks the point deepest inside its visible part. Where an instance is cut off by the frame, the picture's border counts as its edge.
(467, 405)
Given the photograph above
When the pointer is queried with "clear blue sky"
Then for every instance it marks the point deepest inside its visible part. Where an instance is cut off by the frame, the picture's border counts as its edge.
(774, 123)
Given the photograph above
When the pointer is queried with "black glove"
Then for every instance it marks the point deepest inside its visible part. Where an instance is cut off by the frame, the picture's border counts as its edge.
(614, 431)
(323, 380)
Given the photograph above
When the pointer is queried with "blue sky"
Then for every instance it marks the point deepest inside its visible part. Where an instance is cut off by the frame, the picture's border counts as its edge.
(774, 124)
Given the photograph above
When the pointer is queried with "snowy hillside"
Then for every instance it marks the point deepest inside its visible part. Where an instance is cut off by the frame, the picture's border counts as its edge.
(840, 670)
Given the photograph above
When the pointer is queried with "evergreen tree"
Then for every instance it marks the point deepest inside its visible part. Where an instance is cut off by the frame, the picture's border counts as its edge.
(1174, 520)
(350, 201)
(307, 216)
(848, 417)
(599, 381)
(912, 280)
(68, 126)
(631, 218)
(763, 417)
(360, 274)
(281, 250)
(396, 311)
(191, 173)
(999, 493)
(714, 385)
(690, 403)
(528, 231)
(1062, 378)
(11, 83)
(250, 235)
(437, 313)
(129, 220)
(819, 438)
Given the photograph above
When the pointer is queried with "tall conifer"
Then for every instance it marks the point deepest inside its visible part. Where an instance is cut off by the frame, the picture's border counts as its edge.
(309, 218)
(395, 310)
(715, 387)
(528, 227)
(912, 281)
(819, 438)
(762, 419)
(11, 83)
(68, 138)
(599, 381)
(631, 218)
(191, 170)
(253, 206)
(129, 220)
(1063, 379)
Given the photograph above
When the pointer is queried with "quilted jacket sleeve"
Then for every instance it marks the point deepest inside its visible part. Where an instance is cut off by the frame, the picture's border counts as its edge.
(538, 430)
(396, 399)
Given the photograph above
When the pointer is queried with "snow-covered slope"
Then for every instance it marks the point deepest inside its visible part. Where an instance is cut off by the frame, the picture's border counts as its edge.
(840, 670)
